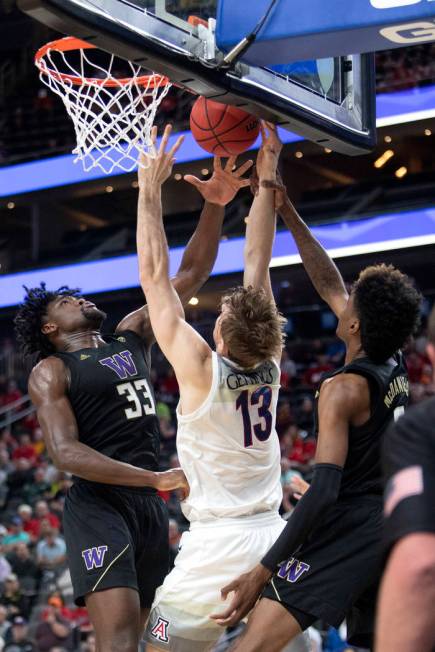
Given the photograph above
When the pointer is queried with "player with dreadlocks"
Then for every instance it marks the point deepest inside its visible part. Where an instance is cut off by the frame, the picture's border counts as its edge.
(96, 408)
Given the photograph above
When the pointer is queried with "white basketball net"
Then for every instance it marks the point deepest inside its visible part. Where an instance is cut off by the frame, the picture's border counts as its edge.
(112, 117)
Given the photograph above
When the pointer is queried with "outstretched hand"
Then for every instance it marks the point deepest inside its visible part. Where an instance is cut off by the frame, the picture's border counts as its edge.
(156, 169)
(225, 182)
(247, 589)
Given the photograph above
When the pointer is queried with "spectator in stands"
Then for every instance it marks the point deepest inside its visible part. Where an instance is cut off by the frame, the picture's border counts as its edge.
(315, 372)
(51, 551)
(37, 489)
(5, 624)
(18, 639)
(90, 644)
(5, 465)
(44, 516)
(15, 535)
(54, 631)
(305, 414)
(169, 385)
(13, 599)
(284, 417)
(25, 449)
(288, 369)
(5, 567)
(21, 475)
(24, 566)
(25, 512)
(12, 393)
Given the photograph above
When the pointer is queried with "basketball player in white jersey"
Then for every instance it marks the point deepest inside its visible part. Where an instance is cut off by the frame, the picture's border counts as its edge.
(227, 444)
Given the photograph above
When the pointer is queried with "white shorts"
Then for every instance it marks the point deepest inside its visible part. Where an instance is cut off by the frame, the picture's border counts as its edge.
(211, 555)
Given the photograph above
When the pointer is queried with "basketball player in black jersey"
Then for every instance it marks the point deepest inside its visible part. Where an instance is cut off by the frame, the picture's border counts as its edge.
(96, 408)
(406, 614)
(326, 563)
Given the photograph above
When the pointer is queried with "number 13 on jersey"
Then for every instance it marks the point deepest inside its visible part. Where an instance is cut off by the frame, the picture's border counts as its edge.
(256, 406)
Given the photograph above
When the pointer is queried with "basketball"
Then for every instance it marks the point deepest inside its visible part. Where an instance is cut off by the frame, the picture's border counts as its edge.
(221, 129)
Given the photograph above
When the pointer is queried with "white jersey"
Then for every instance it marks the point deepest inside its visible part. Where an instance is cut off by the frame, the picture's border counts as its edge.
(228, 447)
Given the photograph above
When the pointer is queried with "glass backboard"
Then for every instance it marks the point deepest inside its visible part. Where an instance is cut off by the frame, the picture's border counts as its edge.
(328, 101)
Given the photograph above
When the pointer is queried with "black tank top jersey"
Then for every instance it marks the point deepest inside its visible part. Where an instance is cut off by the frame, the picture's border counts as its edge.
(389, 394)
(113, 401)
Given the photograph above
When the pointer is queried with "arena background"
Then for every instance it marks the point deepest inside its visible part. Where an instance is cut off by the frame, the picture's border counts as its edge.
(47, 227)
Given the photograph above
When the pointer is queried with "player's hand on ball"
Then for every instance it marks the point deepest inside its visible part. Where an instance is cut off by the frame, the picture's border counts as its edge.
(157, 169)
(171, 480)
(225, 182)
(247, 589)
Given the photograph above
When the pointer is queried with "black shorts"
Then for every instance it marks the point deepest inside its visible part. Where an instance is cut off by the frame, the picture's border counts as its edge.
(115, 537)
(335, 574)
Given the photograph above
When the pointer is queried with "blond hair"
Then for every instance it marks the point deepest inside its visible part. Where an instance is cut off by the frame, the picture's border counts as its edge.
(251, 326)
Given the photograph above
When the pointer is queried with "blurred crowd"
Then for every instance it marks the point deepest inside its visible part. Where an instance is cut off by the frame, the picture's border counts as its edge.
(36, 609)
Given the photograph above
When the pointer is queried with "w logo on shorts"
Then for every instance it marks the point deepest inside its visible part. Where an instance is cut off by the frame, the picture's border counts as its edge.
(160, 630)
(292, 570)
(94, 557)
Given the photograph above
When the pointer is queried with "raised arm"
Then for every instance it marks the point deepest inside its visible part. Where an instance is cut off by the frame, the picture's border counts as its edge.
(185, 349)
(48, 384)
(260, 231)
(201, 250)
(319, 266)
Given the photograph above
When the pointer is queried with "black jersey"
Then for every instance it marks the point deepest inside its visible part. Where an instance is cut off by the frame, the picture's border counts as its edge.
(389, 393)
(113, 401)
(409, 464)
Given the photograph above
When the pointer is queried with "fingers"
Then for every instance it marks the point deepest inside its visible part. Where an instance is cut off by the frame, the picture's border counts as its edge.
(297, 496)
(165, 138)
(263, 132)
(223, 616)
(217, 163)
(154, 134)
(243, 168)
(176, 146)
(244, 183)
(230, 164)
(194, 181)
(232, 586)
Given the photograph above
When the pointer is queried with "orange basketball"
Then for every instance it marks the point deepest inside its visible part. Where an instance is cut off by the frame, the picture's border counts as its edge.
(221, 129)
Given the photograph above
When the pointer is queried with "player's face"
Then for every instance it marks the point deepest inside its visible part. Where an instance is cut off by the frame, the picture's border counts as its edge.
(348, 323)
(72, 314)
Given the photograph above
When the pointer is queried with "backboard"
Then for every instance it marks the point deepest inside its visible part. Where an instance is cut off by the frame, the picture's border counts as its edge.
(329, 101)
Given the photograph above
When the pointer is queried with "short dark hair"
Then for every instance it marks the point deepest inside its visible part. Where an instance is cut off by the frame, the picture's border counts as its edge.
(388, 307)
(29, 319)
(252, 327)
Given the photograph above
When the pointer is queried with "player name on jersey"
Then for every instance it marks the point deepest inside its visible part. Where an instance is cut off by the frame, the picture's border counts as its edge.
(399, 385)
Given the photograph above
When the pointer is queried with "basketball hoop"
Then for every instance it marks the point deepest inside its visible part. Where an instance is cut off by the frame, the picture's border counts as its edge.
(111, 102)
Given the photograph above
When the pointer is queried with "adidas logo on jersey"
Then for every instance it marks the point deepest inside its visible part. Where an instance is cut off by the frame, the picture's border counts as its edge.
(84, 356)
(121, 339)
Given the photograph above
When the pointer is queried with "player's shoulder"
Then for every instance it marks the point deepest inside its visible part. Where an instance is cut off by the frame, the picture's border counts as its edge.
(47, 367)
(345, 385)
(47, 375)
